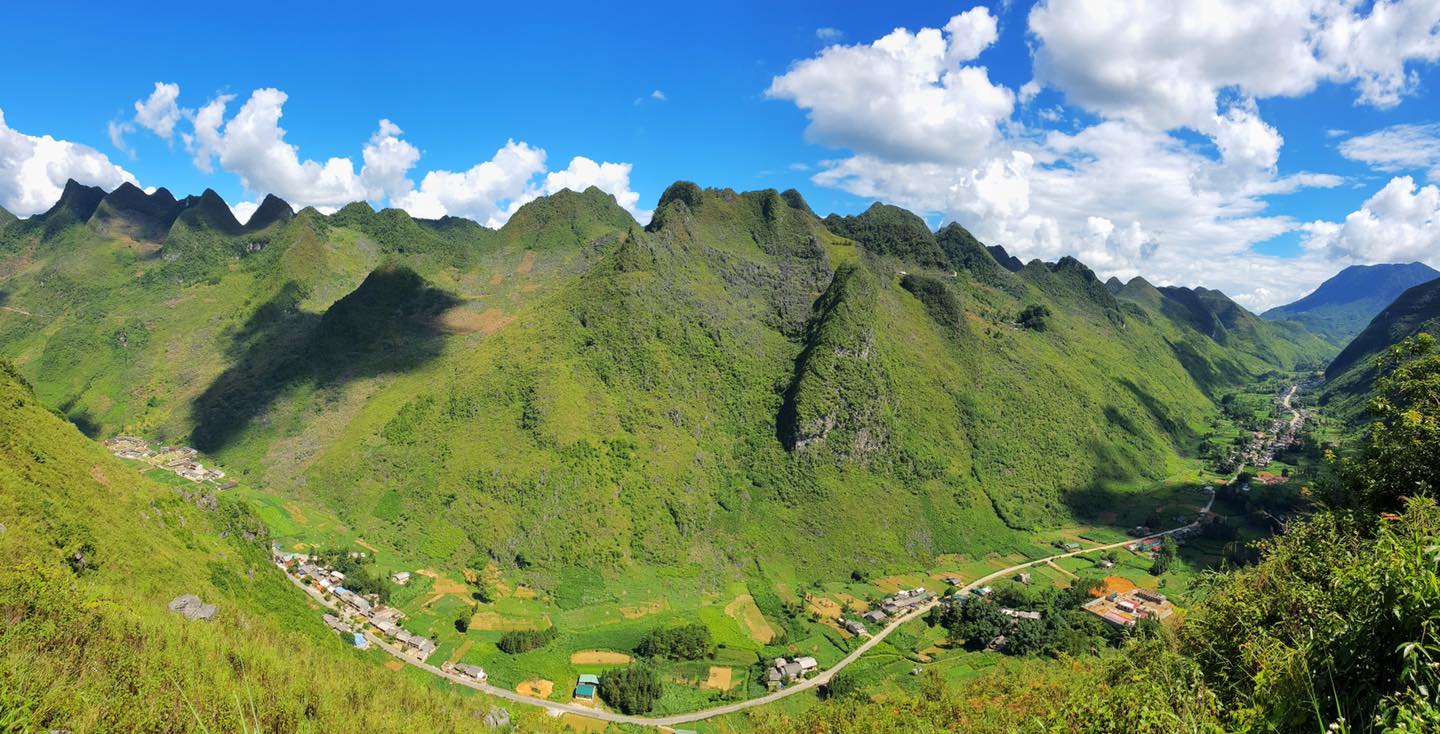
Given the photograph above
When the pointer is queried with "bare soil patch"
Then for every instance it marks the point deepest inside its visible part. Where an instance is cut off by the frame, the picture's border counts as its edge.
(527, 263)
(99, 476)
(824, 607)
(720, 679)
(599, 657)
(394, 665)
(489, 621)
(1114, 585)
(496, 279)
(538, 688)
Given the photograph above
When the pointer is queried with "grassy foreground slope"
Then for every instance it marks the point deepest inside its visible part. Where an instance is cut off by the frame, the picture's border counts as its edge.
(572, 391)
(91, 553)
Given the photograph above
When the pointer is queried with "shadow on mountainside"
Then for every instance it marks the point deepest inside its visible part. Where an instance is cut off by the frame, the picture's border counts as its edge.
(390, 324)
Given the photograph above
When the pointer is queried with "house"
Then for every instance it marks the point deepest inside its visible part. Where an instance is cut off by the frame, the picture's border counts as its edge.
(853, 627)
(401, 577)
(387, 627)
(904, 600)
(875, 616)
(786, 671)
(1018, 614)
(954, 581)
(997, 644)
(1107, 563)
(586, 686)
(473, 672)
(1023, 577)
(361, 642)
(335, 624)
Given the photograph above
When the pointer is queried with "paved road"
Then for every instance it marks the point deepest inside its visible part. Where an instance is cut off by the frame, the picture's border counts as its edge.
(731, 708)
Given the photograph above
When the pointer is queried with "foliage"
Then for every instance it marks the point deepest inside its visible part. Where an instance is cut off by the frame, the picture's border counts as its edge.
(632, 689)
(518, 641)
(1035, 317)
(1164, 557)
(686, 642)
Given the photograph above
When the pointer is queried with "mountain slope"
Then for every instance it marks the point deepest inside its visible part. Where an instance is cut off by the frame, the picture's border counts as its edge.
(1349, 377)
(1342, 306)
(1213, 315)
(572, 391)
(91, 555)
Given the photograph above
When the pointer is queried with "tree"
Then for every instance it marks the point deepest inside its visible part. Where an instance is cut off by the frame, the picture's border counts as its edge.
(1400, 455)
(975, 622)
(843, 685)
(632, 689)
(1164, 557)
(462, 624)
(687, 642)
(1035, 317)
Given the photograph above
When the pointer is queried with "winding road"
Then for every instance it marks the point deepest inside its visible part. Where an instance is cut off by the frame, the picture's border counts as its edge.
(824, 677)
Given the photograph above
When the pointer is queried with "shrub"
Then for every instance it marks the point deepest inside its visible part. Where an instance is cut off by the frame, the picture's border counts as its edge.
(1035, 317)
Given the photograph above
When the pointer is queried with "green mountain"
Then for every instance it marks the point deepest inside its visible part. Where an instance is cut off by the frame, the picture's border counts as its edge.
(1342, 306)
(571, 390)
(1213, 315)
(1349, 376)
(92, 555)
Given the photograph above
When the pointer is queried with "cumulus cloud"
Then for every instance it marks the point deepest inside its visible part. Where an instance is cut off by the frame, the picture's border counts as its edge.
(907, 96)
(492, 191)
(387, 160)
(1166, 64)
(34, 169)
(243, 210)
(1126, 195)
(159, 112)
(1400, 223)
(480, 193)
(1398, 148)
(251, 144)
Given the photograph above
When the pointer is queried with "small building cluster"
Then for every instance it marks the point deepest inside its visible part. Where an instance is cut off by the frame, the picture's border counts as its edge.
(782, 672)
(181, 460)
(1125, 609)
(356, 611)
(904, 600)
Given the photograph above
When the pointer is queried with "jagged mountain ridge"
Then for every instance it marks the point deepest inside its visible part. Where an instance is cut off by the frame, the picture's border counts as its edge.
(646, 372)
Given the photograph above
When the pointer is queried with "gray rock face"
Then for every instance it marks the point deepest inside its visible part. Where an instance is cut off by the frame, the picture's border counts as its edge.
(190, 607)
(497, 718)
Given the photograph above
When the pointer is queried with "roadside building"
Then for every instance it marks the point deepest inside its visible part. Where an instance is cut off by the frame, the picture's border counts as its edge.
(853, 627)
(473, 672)
(875, 616)
(401, 577)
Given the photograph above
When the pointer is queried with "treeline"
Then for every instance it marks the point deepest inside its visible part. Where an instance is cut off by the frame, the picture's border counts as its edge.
(687, 642)
(632, 689)
(1063, 627)
(518, 641)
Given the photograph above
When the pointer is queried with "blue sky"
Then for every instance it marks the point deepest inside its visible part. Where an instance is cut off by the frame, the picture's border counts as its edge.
(1215, 157)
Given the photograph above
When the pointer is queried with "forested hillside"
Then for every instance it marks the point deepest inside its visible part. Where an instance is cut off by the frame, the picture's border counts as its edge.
(1352, 372)
(91, 556)
(1342, 306)
(572, 389)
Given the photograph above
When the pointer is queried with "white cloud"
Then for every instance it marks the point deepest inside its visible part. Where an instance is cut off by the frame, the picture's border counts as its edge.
(243, 210)
(1397, 148)
(829, 35)
(159, 113)
(252, 146)
(1400, 223)
(658, 96)
(906, 96)
(117, 131)
(1165, 64)
(34, 169)
(387, 160)
(481, 193)
(492, 191)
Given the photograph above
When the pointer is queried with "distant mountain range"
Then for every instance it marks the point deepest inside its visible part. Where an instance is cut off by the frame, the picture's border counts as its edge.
(1345, 303)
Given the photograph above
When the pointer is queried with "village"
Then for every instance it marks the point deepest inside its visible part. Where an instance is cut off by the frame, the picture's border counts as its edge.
(178, 460)
(1264, 446)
